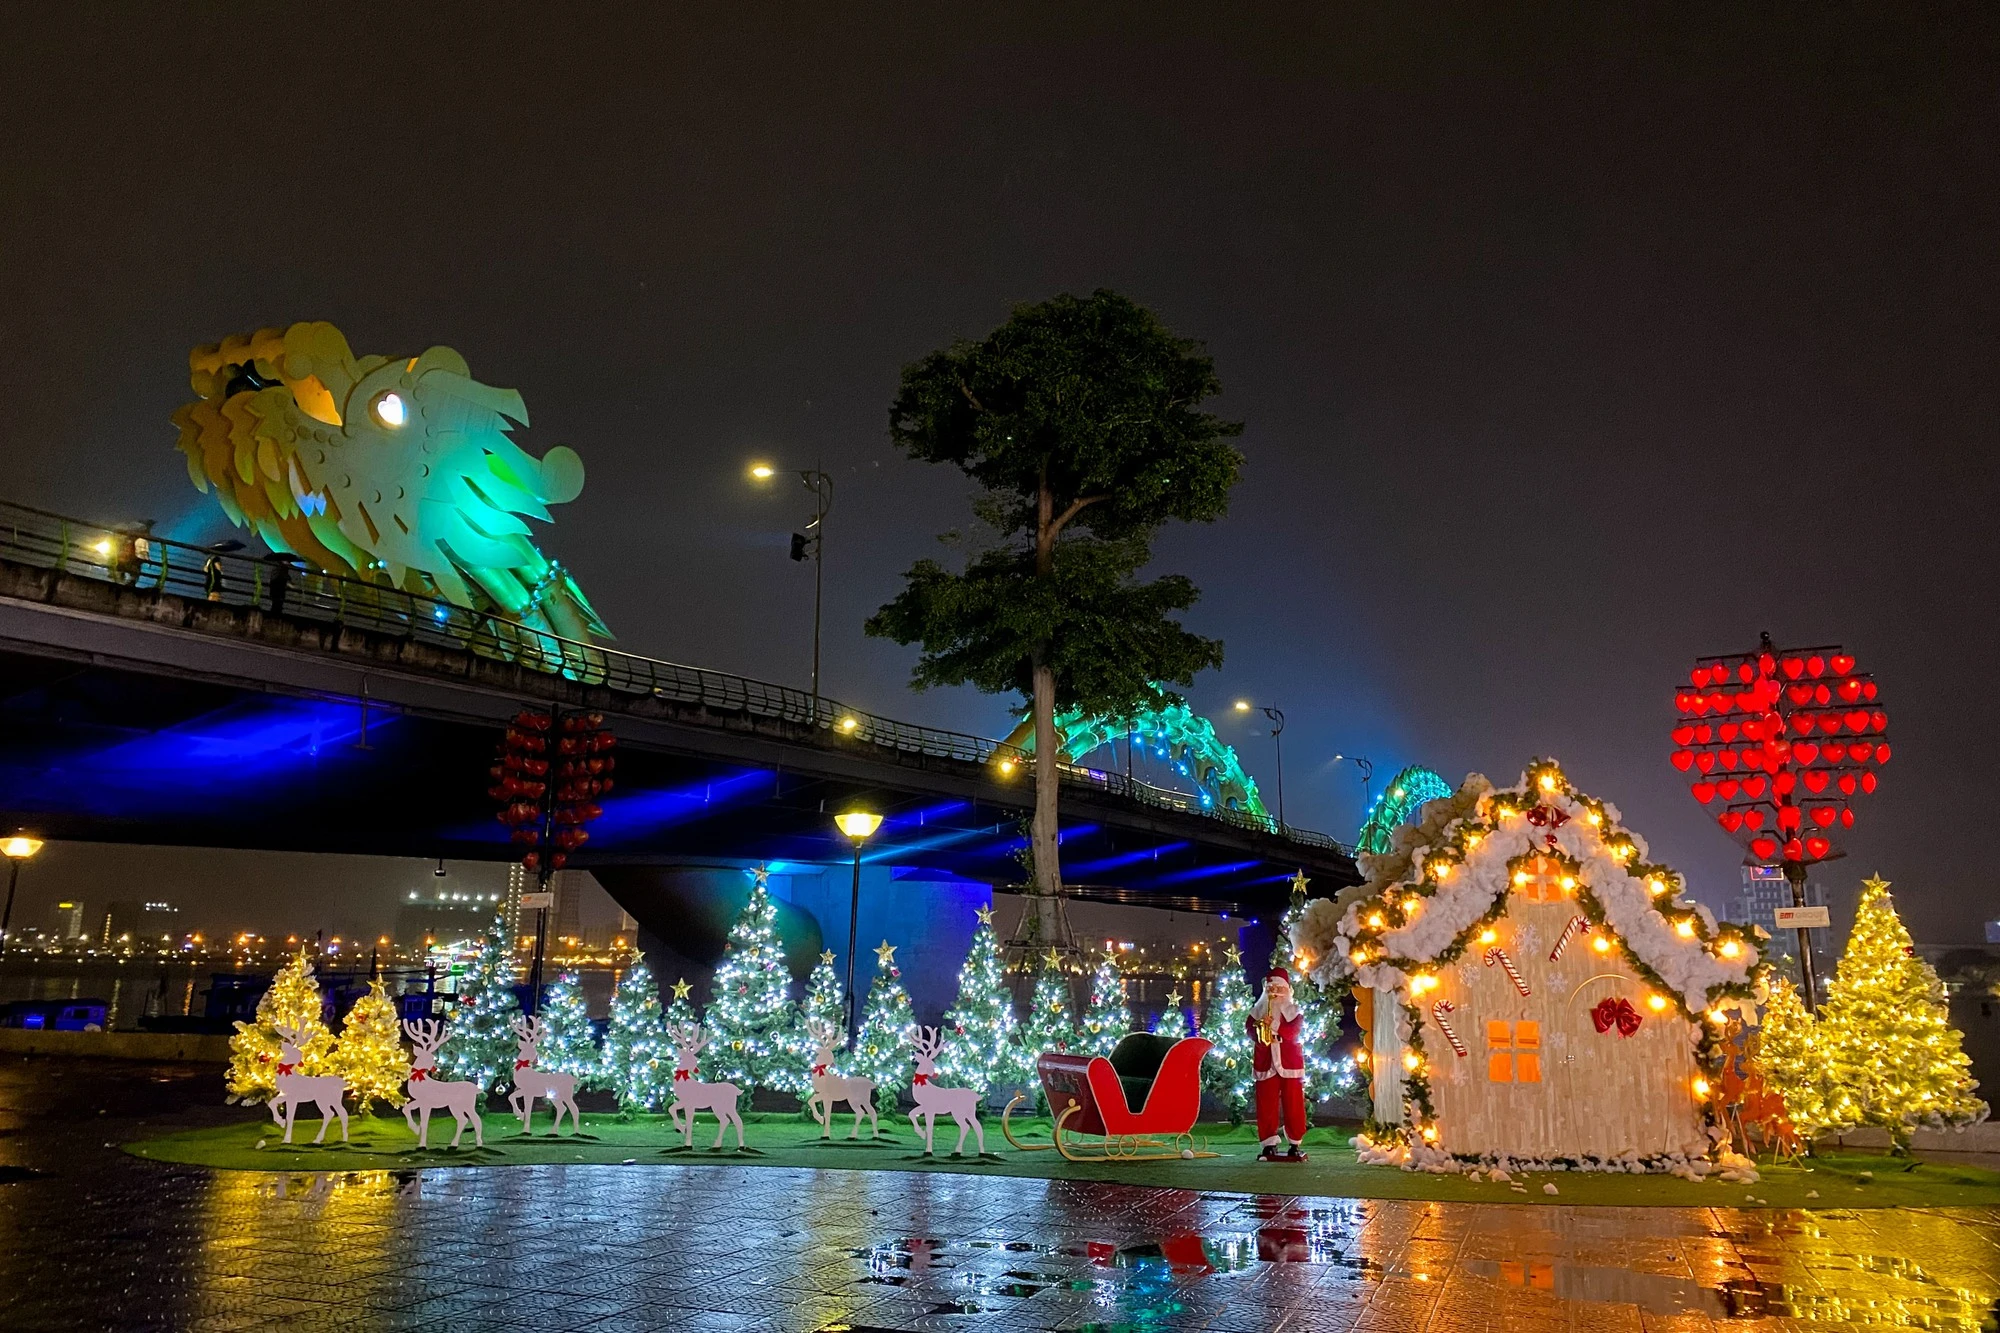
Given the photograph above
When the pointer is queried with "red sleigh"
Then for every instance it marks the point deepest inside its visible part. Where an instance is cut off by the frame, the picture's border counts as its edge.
(1093, 1096)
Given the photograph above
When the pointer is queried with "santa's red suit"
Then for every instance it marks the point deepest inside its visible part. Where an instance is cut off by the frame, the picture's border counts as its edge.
(1278, 1067)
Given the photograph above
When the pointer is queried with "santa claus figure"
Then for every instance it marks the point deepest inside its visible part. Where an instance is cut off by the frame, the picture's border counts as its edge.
(1278, 1067)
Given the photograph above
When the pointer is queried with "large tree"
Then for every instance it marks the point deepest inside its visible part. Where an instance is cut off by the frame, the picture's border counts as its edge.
(1082, 418)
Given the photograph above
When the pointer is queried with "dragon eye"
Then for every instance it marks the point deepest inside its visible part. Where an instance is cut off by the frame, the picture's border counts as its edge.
(390, 409)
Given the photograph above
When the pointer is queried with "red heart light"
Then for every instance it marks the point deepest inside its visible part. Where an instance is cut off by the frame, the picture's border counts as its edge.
(1753, 730)
(1817, 847)
(1719, 701)
(1847, 783)
(1681, 759)
(1802, 723)
(1699, 703)
(1705, 761)
(1703, 791)
(1729, 760)
(1753, 786)
(1794, 667)
(1822, 695)
(1753, 817)
(1789, 816)
(1815, 665)
(1699, 676)
(1748, 700)
(1704, 733)
(1682, 735)
(1847, 819)
(1744, 673)
(1766, 663)
(1815, 780)
(1763, 848)
(1881, 754)
(1833, 753)
(1798, 694)
(1879, 720)
(1859, 753)
(1868, 688)
(1784, 782)
(1804, 751)
(1728, 787)
(1729, 731)
(1823, 816)
(1775, 754)
(1850, 689)
(1794, 850)
(1842, 663)
(1868, 782)
(1731, 820)
(1684, 700)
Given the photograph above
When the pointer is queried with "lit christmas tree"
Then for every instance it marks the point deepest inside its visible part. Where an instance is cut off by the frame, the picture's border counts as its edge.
(1050, 1025)
(370, 1056)
(826, 1002)
(569, 1046)
(293, 1001)
(1891, 1057)
(481, 1045)
(1789, 1060)
(753, 1026)
(981, 1052)
(1226, 1071)
(1107, 1019)
(1325, 1076)
(637, 1064)
(882, 1050)
(1172, 1021)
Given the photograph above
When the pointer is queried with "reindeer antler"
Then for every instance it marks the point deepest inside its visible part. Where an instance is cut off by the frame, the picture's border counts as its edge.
(424, 1034)
(926, 1042)
(290, 1034)
(821, 1031)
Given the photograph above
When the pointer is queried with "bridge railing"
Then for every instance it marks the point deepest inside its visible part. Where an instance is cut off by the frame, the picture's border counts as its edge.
(129, 556)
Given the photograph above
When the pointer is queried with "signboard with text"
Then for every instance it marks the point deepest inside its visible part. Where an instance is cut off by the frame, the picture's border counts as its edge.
(545, 902)
(1786, 918)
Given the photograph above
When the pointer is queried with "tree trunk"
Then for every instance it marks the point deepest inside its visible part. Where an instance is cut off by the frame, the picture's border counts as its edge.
(1048, 753)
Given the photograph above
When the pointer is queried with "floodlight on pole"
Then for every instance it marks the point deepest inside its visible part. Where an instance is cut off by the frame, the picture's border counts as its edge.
(809, 545)
(16, 849)
(859, 826)
(1277, 716)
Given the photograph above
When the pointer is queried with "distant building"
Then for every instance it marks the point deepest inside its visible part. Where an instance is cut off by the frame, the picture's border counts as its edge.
(65, 922)
(510, 907)
(139, 925)
(1765, 890)
(440, 918)
(1993, 932)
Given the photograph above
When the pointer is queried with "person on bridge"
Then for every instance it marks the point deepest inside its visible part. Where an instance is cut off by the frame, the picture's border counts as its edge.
(280, 584)
(211, 578)
(1278, 1067)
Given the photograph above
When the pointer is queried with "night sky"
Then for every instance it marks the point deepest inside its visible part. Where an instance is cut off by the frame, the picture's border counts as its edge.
(1569, 348)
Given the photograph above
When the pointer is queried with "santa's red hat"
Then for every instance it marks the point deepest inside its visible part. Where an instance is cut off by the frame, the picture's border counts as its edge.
(1278, 974)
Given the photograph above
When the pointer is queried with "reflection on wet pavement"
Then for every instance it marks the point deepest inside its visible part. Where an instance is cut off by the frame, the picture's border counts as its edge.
(92, 1239)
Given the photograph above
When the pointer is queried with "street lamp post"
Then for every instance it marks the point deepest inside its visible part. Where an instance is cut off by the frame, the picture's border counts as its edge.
(859, 826)
(1277, 716)
(16, 849)
(1366, 768)
(810, 545)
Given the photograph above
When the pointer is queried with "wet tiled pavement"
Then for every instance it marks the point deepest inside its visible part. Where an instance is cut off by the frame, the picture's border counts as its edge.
(90, 1238)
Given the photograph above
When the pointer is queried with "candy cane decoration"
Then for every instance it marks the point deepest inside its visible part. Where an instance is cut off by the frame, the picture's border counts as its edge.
(1577, 926)
(1438, 1012)
(1499, 955)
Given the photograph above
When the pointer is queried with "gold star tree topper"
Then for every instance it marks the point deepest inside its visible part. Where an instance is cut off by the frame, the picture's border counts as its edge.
(985, 915)
(681, 989)
(827, 957)
(885, 956)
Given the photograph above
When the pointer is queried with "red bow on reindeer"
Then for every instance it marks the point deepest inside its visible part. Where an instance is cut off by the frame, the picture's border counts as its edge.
(921, 1079)
(419, 1075)
(523, 1064)
(286, 1069)
(682, 1074)
(1616, 1013)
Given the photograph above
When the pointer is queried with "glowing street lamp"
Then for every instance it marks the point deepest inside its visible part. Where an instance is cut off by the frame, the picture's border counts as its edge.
(16, 849)
(859, 826)
(809, 545)
(1277, 716)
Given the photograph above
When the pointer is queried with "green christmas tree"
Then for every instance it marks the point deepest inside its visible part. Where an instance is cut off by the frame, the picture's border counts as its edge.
(293, 1001)
(1326, 1076)
(481, 1044)
(569, 1046)
(753, 1027)
(1108, 1019)
(1226, 1071)
(826, 1003)
(882, 1049)
(980, 1051)
(1890, 1055)
(637, 1064)
(1050, 1025)
(1173, 1020)
(370, 1056)
(1788, 1058)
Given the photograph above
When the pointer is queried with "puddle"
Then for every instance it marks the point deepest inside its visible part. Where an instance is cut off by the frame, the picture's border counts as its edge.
(14, 1175)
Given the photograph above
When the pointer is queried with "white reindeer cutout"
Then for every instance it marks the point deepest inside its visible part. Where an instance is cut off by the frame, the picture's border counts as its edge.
(692, 1095)
(530, 1082)
(428, 1093)
(829, 1087)
(323, 1090)
(961, 1104)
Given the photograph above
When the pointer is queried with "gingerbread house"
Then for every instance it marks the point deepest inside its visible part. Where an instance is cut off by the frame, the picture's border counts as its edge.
(1534, 988)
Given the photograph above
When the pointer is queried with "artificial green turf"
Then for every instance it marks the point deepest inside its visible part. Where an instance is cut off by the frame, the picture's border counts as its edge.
(384, 1143)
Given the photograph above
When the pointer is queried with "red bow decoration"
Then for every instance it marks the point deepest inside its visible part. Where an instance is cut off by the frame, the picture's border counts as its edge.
(523, 1064)
(419, 1075)
(286, 1069)
(1550, 818)
(819, 1071)
(1616, 1013)
(680, 1074)
(922, 1079)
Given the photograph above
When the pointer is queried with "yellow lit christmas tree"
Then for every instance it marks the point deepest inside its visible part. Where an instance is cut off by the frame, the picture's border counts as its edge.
(1891, 1058)
(294, 1002)
(371, 1056)
(1788, 1058)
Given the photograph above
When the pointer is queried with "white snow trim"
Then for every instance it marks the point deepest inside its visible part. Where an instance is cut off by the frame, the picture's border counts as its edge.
(1500, 1168)
(1326, 932)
